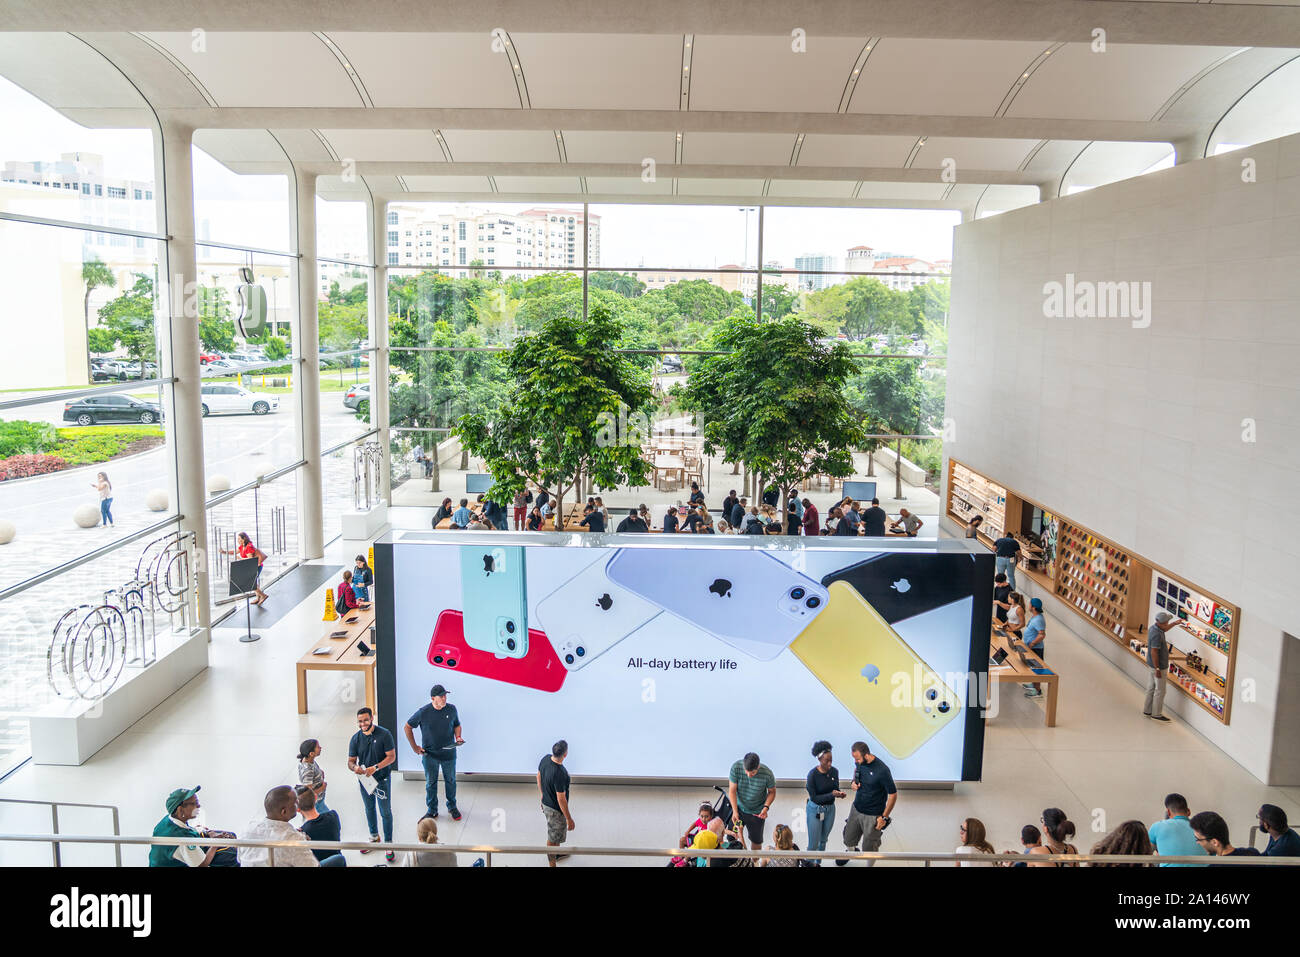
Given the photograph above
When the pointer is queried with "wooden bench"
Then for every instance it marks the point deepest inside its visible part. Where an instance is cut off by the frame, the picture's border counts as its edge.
(344, 654)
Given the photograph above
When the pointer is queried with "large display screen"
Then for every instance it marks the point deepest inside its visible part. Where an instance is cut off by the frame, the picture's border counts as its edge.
(658, 657)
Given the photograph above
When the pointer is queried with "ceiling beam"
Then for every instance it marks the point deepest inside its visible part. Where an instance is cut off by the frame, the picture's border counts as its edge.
(883, 124)
(718, 199)
(1126, 21)
(632, 171)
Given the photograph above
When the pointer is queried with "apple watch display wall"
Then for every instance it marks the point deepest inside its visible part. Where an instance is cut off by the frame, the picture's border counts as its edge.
(690, 655)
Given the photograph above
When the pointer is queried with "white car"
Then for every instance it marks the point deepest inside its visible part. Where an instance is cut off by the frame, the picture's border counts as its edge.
(221, 367)
(232, 398)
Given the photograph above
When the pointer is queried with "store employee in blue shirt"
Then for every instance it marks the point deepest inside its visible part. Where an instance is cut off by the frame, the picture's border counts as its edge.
(1282, 840)
(439, 726)
(1033, 635)
(1173, 836)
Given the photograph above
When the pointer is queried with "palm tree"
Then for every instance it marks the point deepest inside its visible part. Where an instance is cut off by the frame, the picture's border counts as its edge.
(94, 274)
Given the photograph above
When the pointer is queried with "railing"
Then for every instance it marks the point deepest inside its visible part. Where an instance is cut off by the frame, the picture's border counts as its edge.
(489, 850)
(54, 825)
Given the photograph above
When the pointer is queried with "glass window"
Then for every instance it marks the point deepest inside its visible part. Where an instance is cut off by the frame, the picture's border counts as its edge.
(672, 237)
(237, 209)
(392, 218)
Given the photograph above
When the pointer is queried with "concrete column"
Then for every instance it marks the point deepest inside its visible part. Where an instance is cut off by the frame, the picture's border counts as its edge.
(306, 337)
(377, 248)
(179, 343)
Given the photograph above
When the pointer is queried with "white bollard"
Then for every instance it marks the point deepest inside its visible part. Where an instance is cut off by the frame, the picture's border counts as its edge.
(87, 516)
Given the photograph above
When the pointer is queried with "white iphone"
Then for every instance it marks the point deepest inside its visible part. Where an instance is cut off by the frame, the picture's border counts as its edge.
(589, 614)
(742, 596)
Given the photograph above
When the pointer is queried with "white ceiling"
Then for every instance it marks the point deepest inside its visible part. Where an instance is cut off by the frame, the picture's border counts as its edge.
(572, 104)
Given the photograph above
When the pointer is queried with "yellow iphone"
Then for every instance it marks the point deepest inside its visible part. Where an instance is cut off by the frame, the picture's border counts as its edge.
(872, 672)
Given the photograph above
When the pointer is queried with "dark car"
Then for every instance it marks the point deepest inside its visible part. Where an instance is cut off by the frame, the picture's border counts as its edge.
(111, 408)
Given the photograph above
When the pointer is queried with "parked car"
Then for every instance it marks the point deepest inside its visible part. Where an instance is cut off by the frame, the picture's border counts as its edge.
(206, 357)
(136, 370)
(221, 367)
(93, 409)
(671, 364)
(231, 398)
(359, 393)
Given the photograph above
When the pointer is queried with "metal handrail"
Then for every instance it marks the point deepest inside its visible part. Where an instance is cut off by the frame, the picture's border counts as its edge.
(54, 822)
(107, 387)
(654, 852)
(352, 441)
(651, 352)
(88, 557)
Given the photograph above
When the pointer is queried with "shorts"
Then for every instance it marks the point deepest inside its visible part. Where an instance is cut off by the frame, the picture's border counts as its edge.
(754, 826)
(557, 828)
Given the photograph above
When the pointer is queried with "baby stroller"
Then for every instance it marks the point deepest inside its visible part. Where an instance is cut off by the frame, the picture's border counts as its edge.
(722, 811)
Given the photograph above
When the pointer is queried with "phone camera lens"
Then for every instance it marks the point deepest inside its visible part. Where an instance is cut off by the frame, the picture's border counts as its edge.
(931, 694)
(796, 593)
(944, 707)
(437, 659)
(568, 659)
(581, 651)
(510, 644)
(451, 662)
(510, 627)
(813, 602)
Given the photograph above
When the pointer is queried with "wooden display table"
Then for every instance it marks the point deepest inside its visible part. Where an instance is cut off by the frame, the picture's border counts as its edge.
(1012, 671)
(344, 654)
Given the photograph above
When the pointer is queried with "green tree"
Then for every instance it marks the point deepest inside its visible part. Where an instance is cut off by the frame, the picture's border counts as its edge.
(94, 274)
(276, 347)
(216, 328)
(625, 284)
(775, 400)
(778, 301)
(565, 383)
(129, 319)
(100, 341)
(342, 325)
(888, 395)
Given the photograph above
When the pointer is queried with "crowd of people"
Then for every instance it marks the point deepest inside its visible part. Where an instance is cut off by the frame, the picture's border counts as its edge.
(738, 821)
(737, 516)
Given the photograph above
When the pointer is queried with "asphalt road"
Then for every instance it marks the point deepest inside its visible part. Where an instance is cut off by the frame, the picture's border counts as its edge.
(240, 447)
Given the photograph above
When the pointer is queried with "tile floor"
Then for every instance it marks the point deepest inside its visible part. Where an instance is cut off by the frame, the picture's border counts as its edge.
(234, 729)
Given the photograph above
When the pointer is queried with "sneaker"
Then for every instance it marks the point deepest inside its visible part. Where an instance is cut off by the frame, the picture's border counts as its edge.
(390, 857)
(374, 839)
(1146, 714)
(1159, 717)
(1033, 693)
(455, 814)
(432, 814)
(840, 862)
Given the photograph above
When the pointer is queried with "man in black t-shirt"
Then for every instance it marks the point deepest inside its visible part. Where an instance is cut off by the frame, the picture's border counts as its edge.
(873, 800)
(737, 516)
(633, 523)
(371, 754)
(693, 519)
(553, 786)
(1001, 596)
(873, 519)
(670, 520)
(440, 733)
(697, 497)
(1006, 549)
(593, 518)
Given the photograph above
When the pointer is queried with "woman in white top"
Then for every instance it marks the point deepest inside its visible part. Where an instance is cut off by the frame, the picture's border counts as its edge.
(973, 843)
(105, 489)
(1016, 613)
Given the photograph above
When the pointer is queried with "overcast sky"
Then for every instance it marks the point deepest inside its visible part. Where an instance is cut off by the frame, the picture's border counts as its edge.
(253, 210)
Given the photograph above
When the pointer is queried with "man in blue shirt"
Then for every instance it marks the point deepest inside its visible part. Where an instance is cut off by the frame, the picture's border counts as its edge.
(1034, 633)
(461, 517)
(1282, 840)
(439, 726)
(1173, 836)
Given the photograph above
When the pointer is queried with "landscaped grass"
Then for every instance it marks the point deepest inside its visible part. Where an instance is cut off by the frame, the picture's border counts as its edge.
(92, 444)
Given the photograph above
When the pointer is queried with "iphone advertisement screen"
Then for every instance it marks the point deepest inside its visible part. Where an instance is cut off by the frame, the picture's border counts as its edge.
(663, 658)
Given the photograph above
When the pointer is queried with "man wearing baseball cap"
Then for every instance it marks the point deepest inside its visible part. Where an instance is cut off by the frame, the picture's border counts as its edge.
(439, 726)
(182, 806)
(1034, 633)
(1158, 664)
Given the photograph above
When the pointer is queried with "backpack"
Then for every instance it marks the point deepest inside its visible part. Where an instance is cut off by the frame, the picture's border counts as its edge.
(340, 606)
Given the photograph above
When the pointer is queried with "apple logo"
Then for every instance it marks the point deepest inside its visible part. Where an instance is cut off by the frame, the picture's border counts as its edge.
(720, 587)
(605, 602)
(871, 673)
(902, 586)
(489, 565)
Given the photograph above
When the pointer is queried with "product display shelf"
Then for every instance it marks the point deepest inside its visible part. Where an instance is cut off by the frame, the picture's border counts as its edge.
(1094, 576)
(970, 494)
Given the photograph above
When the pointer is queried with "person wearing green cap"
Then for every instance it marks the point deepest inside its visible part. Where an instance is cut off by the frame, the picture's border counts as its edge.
(182, 806)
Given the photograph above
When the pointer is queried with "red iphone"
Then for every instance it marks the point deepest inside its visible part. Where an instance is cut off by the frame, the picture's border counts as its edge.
(540, 668)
